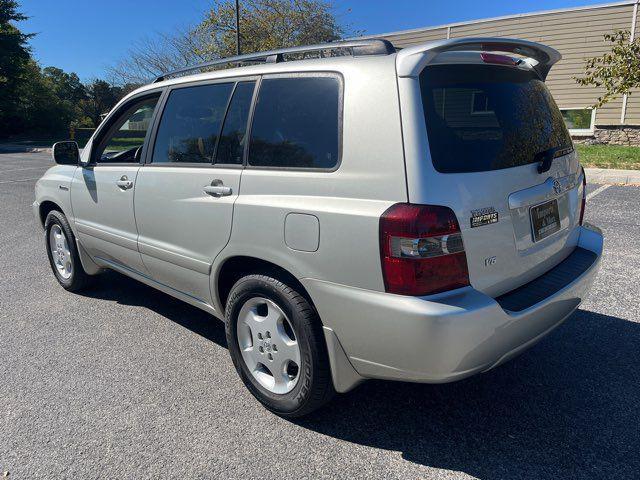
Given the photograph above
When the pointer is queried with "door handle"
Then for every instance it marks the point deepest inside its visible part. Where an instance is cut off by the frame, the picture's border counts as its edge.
(217, 189)
(124, 183)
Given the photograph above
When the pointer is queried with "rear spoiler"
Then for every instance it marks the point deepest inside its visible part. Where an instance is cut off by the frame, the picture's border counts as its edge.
(410, 61)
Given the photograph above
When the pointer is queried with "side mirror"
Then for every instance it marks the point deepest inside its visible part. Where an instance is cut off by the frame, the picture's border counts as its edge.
(66, 153)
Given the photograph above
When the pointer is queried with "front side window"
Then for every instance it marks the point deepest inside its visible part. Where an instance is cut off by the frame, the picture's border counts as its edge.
(190, 124)
(295, 124)
(124, 138)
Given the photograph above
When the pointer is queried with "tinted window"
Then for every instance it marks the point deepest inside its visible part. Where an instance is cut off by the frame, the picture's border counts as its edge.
(483, 117)
(232, 141)
(124, 139)
(296, 123)
(191, 123)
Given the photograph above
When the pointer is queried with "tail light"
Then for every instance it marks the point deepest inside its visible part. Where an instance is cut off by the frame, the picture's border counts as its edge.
(584, 196)
(421, 250)
(498, 59)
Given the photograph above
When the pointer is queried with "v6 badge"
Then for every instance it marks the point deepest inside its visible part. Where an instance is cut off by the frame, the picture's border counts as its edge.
(483, 216)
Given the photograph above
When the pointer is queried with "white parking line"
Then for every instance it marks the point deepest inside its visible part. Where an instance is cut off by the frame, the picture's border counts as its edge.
(20, 180)
(597, 191)
(23, 169)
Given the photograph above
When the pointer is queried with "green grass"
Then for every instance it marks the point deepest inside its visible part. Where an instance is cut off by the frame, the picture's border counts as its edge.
(118, 144)
(609, 156)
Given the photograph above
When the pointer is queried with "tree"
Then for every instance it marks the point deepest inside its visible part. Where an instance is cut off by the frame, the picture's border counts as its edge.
(40, 110)
(264, 25)
(49, 100)
(149, 57)
(66, 86)
(100, 97)
(617, 71)
(68, 92)
(14, 59)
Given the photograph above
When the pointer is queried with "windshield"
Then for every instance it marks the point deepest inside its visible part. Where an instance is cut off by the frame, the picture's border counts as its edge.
(488, 117)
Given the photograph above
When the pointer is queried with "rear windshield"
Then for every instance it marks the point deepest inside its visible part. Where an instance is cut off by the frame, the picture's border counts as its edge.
(487, 117)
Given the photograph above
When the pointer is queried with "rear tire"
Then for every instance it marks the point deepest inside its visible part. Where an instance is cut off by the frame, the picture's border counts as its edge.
(63, 253)
(277, 346)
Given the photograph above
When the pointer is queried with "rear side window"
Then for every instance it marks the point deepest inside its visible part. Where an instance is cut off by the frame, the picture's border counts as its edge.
(233, 138)
(191, 123)
(295, 124)
(487, 117)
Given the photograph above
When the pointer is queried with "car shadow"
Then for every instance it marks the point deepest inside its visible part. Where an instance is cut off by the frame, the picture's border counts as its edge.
(567, 408)
(124, 290)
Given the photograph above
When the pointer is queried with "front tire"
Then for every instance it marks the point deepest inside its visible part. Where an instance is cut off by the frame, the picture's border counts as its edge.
(63, 253)
(277, 346)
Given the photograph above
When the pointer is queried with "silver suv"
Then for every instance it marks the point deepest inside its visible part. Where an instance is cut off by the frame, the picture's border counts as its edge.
(409, 215)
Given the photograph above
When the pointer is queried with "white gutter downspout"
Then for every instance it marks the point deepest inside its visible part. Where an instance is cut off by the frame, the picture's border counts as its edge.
(632, 37)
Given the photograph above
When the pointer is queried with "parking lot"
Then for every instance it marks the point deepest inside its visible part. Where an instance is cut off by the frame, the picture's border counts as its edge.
(126, 382)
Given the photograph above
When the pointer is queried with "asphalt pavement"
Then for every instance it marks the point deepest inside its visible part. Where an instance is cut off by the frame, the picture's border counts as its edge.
(126, 382)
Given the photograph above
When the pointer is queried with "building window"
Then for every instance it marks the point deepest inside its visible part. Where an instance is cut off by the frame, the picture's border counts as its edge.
(579, 121)
(480, 103)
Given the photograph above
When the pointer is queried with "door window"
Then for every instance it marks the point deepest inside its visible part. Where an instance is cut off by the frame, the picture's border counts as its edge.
(123, 141)
(296, 123)
(233, 138)
(190, 124)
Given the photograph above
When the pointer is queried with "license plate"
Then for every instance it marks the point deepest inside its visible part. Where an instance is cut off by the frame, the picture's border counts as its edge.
(545, 220)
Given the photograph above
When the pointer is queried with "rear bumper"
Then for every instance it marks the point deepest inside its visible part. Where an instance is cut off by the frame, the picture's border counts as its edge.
(447, 337)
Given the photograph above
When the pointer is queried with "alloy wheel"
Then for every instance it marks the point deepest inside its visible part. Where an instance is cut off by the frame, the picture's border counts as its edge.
(60, 252)
(269, 345)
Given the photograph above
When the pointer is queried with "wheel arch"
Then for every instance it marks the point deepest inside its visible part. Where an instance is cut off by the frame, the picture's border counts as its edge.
(343, 374)
(237, 266)
(47, 206)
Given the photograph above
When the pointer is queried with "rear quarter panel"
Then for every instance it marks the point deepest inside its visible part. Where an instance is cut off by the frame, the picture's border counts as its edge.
(348, 201)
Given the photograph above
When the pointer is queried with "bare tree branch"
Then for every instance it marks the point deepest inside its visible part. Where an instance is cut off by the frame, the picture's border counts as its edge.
(265, 25)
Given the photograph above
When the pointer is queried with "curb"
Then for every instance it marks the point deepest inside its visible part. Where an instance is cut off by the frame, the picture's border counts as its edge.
(9, 148)
(609, 177)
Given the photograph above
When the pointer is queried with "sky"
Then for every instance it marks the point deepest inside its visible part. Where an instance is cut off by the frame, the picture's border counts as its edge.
(87, 36)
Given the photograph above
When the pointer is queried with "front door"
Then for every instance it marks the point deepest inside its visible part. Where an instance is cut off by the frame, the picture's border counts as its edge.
(102, 192)
(185, 194)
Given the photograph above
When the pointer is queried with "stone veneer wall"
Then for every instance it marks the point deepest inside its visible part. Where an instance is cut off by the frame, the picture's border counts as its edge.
(613, 135)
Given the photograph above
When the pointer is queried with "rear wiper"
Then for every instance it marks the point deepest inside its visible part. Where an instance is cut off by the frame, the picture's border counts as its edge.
(546, 157)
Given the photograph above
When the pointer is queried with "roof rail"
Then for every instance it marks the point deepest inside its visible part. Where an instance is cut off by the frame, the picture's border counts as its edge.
(357, 47)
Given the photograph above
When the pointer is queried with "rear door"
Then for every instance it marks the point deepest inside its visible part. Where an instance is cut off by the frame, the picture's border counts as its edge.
(186, 191)
(489, 129)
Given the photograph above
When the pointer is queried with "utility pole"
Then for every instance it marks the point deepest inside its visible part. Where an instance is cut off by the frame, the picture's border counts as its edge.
(238, 50)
